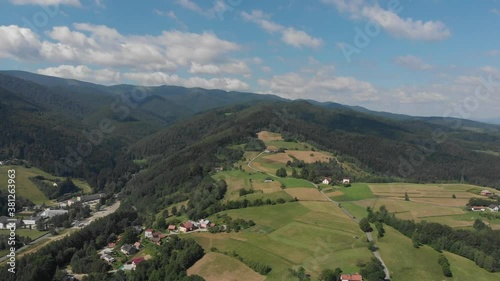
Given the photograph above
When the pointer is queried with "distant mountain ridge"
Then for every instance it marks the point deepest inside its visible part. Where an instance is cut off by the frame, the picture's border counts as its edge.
(204, 99)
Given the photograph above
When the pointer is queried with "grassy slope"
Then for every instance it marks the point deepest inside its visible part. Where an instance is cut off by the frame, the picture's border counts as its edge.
(407, 263)
(27, 189)
(316, 235)
(357, 191)
(215, 266)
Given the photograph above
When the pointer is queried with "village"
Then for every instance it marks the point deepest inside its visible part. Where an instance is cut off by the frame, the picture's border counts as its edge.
(129, 255)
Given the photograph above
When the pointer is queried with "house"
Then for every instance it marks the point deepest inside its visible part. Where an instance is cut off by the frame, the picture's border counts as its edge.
(351, 277)
(31, 222)
(494, 208)
(346, 181)
(326, 180)
(204, 223)
(108, 258)
(54, 184)
(128, 249)
(478, 209)
(186, 227)
(48, 213)
(268, 179)
(219, 169)
(172, 227)
(111, 245)
(486, 192)
(136, 261)
(6, 222)
(1, 163)
(137, 245)
(71, 202)
(89, 199)
(149, 233)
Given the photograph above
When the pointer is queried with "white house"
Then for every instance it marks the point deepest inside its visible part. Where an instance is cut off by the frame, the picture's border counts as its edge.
(478, 209)
(3, 222)
(54, 184)
(108, 258)
(48, 213)
(149, 233)
(204, 223)
(326, 180)
(31, 222)
(494, 208)
(346, 181)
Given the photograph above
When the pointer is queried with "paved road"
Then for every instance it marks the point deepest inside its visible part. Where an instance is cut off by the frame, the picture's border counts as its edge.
(368, 234)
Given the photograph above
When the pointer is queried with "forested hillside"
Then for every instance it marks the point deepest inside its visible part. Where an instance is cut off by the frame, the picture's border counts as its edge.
(180, 157)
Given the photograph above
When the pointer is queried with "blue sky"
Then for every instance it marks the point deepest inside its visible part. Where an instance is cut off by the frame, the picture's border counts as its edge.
(429, 57)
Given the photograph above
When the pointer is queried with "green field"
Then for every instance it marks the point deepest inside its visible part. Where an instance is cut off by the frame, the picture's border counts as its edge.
(316, 235)
(31, 233)
(24, 186)
(27, 189)
(357, 191)
(407, 263)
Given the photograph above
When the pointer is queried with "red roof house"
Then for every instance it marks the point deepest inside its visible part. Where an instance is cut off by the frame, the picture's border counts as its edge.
(351, 277)
(172, 227)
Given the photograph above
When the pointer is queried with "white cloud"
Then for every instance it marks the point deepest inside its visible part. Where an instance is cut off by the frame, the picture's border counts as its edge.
(412, 62)
(321, 85)
(262, 20)
(18, 43)
(495, 11)
(237, 67)
(75, 3)
(171, 15)
(161, 78)
(391, 22)
(106, 47)
(413, 96)
(266, 69)
(298, 38)
(289, 35)
(82, 72)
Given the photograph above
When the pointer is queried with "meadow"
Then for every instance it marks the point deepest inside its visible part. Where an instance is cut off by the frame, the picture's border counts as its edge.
(316, 235)
(27, 189)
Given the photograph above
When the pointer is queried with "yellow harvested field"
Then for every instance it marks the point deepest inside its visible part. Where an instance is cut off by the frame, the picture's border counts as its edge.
(268, 136)
(267, 187)
(410, 209)
(305, 194)
(219, 267)
(310, 156)
(278, 157)
(334, 193)
(447, 202)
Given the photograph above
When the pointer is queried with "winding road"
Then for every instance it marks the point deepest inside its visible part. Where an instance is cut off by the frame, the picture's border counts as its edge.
(368, 234)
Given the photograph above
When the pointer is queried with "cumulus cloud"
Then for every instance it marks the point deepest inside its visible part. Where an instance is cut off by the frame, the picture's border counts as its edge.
(82, 72)
(161, 78)
(105, 46)
(412, 62)
(321, 84)
(237, 67)
(289, 35)
(391, 22)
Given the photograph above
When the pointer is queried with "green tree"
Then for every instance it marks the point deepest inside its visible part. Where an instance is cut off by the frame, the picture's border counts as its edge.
(294, 173)
(364, 224)
(407, 198)
(330, 275)
(281, 172)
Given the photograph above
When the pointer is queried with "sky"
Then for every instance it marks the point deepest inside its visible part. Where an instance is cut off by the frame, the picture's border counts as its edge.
(428, 57)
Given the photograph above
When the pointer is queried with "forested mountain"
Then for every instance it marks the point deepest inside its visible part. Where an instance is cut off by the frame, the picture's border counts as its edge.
(46, 120)
(181, 156)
